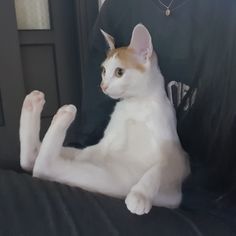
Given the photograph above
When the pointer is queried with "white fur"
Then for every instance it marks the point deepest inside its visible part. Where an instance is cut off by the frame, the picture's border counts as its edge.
(139, 158)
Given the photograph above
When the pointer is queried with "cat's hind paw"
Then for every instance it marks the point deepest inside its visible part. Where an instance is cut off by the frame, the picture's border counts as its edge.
(34, 101)
(137, 203)
(64, 116)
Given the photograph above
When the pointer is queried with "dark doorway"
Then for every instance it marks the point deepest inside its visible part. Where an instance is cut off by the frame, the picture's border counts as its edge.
(50, 60)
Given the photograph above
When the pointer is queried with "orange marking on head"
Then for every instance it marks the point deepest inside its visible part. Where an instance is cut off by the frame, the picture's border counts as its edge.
(127, 58)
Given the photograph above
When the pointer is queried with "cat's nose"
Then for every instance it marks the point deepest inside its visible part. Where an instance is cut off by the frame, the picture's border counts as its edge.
(103, 87)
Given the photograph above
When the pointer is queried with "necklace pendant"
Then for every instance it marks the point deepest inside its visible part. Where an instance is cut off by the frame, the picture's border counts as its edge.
(167, 13)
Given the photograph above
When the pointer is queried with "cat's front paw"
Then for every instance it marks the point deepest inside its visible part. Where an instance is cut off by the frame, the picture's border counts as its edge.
(138, 203)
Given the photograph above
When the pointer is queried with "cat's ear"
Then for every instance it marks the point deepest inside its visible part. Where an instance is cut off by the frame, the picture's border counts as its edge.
(109, 39)
(141, 42)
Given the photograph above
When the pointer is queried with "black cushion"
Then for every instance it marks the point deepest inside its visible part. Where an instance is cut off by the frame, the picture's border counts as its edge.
(29, 206)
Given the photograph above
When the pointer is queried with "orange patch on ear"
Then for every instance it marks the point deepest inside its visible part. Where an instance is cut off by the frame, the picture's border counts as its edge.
(127, 57)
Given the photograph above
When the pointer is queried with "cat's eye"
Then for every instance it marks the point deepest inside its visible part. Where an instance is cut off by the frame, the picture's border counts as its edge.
(119, 72)
(103, 70)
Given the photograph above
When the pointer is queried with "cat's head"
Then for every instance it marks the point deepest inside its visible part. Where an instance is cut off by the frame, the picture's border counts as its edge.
(125, 70)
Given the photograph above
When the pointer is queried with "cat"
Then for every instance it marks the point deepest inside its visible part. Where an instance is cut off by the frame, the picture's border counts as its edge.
(139, 159)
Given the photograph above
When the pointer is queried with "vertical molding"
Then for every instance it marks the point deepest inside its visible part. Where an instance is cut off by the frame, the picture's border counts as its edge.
(86, 13)
(2, 121)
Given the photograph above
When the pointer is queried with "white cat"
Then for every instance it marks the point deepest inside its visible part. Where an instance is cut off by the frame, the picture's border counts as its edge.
(140, 157)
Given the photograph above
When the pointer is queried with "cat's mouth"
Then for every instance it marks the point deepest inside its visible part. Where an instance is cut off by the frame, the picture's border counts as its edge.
(114, 95)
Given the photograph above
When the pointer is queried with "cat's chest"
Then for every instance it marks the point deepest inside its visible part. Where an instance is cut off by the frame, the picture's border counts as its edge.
(130, 129)
(136, 111)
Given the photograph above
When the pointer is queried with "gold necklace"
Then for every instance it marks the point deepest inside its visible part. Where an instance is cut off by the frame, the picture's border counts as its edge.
(167, 11)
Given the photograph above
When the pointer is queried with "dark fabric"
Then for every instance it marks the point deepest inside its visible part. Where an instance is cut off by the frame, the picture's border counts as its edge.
(188, 45)
(31, 207)
(208, 129)
(177, 40)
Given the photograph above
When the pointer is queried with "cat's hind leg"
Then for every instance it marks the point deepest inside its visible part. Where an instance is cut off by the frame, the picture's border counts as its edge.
(93, 174)
(29, 129)
(51, 147)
